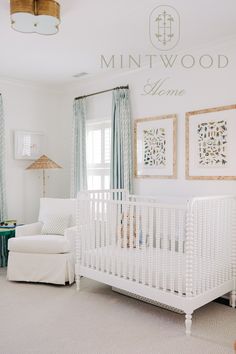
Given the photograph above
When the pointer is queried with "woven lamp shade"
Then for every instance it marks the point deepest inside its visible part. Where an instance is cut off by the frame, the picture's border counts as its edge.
(43, 163)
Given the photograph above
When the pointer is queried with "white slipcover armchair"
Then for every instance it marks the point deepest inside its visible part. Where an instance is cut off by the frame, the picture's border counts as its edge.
(46, 258)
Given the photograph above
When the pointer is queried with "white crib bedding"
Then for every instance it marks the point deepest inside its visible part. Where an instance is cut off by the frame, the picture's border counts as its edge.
(160, 268)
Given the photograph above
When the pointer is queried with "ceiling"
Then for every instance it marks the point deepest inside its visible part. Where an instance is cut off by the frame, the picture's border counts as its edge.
(90, 28)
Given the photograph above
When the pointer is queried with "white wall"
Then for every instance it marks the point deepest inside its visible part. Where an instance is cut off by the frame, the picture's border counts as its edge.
(32, 108)
(35, 108)
(205, 88)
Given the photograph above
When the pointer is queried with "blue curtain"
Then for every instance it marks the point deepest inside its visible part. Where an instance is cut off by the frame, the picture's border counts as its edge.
(79, 166)
(3, 202)
(121, 144)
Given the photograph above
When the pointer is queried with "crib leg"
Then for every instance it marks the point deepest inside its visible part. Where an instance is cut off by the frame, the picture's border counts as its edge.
(233, 299)
(77, 280)
(188, 323)
(77, 277)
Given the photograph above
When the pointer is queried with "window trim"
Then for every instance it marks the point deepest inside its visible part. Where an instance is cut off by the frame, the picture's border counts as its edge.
(99, 169)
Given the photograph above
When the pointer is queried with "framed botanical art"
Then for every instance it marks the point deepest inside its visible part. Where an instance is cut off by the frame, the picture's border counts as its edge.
(28, 145)
(155, 147)
(210, 143)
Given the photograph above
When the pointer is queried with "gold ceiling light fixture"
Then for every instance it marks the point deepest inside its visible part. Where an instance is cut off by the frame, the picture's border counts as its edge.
(35, 16)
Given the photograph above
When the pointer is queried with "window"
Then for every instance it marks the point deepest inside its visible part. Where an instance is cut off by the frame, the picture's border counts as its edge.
(98, 155)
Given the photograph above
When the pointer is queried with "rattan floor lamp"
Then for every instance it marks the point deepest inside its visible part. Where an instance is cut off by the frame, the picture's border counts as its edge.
(43, 163)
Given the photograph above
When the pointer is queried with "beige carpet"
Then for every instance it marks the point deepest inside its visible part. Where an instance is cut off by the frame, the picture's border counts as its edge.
(46, 319)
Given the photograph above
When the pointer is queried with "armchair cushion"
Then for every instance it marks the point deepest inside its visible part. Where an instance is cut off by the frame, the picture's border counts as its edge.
(55, 224)
(29, 230)
(42, 244)
(57, 206)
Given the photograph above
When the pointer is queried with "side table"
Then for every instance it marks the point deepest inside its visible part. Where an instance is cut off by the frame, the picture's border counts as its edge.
(5, 235)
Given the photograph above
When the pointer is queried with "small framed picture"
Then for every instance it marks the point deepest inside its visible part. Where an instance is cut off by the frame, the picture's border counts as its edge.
(155, 147)
(28, 145)
(210, 144)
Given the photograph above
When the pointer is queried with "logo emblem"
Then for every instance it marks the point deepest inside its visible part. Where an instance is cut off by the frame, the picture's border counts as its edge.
(164, 27)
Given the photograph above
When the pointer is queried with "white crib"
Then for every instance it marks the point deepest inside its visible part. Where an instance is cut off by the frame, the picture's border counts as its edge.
(182, 255)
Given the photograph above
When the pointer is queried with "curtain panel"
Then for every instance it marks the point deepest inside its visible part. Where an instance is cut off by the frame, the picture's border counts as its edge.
(79, 168)
(3, 201)
(121, 144)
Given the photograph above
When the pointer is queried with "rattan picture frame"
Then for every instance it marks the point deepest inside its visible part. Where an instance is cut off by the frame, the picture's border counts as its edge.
(193, 169)
(168, 171)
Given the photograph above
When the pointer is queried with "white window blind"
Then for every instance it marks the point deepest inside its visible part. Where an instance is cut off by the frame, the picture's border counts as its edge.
(98, 154)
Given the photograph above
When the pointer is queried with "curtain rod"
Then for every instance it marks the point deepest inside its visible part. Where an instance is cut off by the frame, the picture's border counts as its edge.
(99, 92)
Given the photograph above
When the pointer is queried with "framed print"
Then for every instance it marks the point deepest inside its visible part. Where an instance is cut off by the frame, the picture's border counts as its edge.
(155, 147)
(210, 147)
(28, 145)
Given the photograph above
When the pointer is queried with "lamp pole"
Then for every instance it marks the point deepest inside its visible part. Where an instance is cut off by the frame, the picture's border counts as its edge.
(44, 183)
